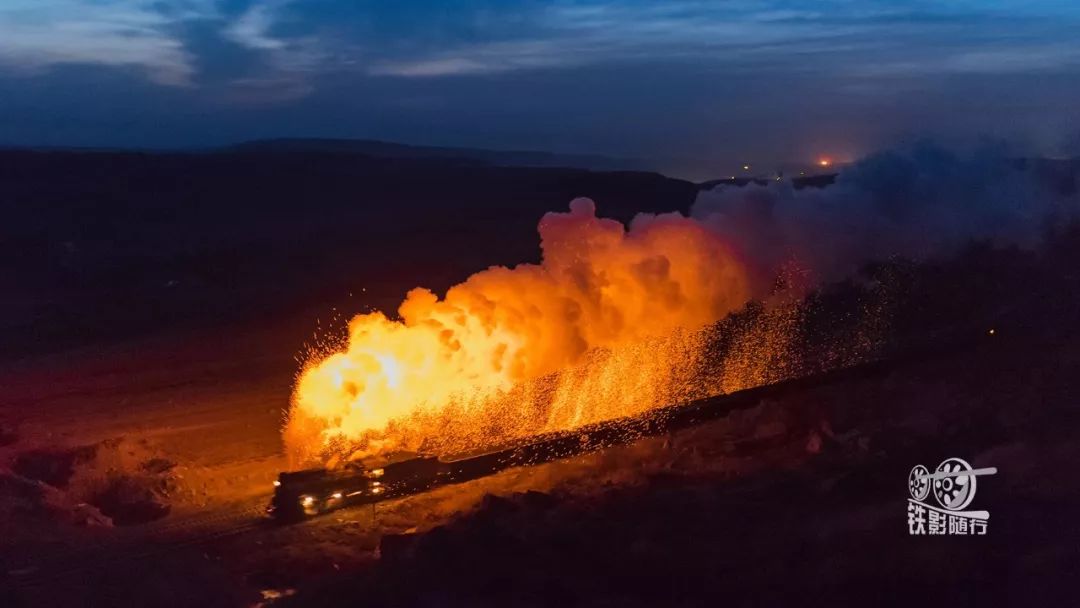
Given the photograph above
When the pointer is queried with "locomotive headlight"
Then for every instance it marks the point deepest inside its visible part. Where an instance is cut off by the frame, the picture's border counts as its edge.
(376, 484)
(376, 490)
(307, 501)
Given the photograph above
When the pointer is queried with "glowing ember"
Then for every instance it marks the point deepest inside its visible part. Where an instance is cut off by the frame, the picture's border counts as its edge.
(614, 310)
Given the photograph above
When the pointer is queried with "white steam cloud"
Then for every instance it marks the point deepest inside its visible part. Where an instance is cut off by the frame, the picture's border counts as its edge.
(915, 202)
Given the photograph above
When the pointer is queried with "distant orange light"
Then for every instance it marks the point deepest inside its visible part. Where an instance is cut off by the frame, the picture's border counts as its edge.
(824, 162)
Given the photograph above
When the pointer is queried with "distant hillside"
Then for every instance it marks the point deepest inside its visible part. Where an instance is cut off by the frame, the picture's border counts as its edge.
(383, 149)
(103, 245)
(805, 181)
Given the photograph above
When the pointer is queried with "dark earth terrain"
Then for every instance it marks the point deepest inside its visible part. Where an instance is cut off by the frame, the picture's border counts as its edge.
(154, 305)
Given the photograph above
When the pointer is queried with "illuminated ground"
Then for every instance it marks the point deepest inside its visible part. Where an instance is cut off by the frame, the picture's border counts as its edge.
(804, 495)
(815, 482)
(189, 422)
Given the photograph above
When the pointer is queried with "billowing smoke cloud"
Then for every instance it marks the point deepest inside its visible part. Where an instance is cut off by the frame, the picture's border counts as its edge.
(600, 286)
(914, 202)
(612, 311)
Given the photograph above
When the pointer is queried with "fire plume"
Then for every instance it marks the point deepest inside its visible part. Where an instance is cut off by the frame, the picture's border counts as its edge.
(605, 326)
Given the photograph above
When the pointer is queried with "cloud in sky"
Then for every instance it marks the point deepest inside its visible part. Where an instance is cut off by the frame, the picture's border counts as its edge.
(723, 62)
(252, 29)
(37, 34)
(574, 34)
(454, 38)
(733, 35)
(287, 61)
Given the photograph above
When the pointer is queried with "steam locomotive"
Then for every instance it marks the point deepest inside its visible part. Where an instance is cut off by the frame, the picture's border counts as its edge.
(301, 494)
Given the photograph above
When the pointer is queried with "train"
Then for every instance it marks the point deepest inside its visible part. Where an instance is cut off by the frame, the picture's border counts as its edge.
(310, 492)
(307, 493)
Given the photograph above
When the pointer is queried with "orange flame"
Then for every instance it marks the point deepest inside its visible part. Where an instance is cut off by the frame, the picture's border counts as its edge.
(615, 310)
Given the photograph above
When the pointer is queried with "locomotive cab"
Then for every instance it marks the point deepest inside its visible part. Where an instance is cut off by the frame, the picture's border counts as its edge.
(301, 494)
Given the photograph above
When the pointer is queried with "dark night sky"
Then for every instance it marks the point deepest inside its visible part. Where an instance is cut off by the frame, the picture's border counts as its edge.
(719, 81)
